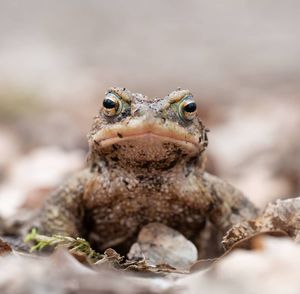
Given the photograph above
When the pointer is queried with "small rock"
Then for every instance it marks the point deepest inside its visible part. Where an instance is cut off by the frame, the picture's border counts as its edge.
(31, 176)
(60, 273)
(159, 244)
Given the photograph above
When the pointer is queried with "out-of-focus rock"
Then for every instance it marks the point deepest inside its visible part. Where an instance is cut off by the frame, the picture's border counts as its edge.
(254, 142)
(159, 244)
(34, 175)
(272, 269)
(62, 274)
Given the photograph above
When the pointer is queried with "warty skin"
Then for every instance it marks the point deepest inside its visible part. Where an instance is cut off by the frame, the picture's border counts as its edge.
(146, 164)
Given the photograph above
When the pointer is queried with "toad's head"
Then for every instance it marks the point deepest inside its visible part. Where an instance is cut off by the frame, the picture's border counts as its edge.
(134, 130)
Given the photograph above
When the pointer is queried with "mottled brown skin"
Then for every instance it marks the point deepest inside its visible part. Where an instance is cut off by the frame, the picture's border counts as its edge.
(146, 164)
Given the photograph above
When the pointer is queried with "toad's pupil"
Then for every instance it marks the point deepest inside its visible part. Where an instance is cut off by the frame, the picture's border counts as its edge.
(191, 107)
(108, 103)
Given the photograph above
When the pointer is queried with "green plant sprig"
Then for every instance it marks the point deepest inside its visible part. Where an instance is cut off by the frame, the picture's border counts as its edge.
(76, 245)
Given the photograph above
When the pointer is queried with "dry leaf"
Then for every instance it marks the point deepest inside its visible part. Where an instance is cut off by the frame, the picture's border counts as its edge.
(4, 248)
(280, 218)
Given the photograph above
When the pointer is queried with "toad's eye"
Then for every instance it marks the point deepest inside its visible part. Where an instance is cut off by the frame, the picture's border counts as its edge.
(188, 108)
(112, 105)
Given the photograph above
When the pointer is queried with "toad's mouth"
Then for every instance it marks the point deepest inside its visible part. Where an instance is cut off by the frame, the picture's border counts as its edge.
(147, 132)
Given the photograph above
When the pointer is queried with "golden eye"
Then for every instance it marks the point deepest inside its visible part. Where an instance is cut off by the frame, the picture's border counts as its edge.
(111, 105)
(188, 109)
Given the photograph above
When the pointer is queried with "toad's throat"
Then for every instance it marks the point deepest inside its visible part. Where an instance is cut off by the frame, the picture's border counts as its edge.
(146, 150)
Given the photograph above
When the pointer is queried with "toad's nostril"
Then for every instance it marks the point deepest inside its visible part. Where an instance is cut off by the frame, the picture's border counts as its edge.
(136, 111)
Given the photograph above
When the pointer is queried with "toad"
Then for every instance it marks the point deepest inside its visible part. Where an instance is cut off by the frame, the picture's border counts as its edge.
(146, 164)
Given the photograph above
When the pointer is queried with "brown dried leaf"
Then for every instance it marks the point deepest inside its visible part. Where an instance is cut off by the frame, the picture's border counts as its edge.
(113, 261)
(110, 260)
(4, 248)
(281, 218)
(255, 242)
(203, 264)
(80, 257)
(145, 267)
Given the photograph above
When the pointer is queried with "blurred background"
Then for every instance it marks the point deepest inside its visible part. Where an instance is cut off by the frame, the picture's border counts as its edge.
(240, 59)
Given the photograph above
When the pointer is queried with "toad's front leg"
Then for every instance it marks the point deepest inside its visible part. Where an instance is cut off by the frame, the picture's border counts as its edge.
(229, 206)
(63, 211)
